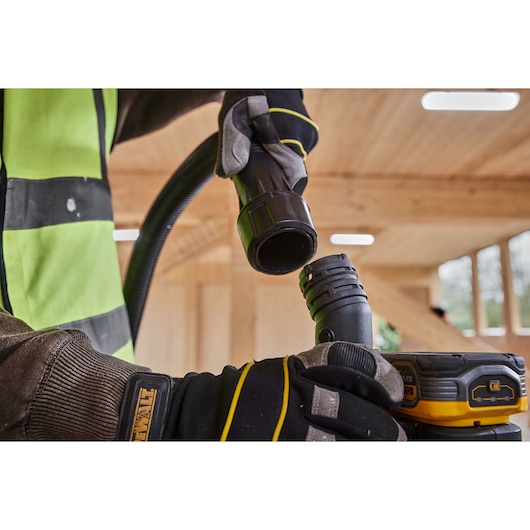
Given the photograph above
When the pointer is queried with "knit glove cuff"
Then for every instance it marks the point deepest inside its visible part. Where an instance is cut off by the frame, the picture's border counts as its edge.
(80, 394)
(55, 386)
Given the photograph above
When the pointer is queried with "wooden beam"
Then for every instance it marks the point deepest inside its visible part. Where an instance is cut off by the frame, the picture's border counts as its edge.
(413, 275)
(379, 199)
(243, 311)
(134, 192)
(347, 198)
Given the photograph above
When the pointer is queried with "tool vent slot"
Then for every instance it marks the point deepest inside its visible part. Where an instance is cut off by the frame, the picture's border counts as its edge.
(523, 386)
(439, 390)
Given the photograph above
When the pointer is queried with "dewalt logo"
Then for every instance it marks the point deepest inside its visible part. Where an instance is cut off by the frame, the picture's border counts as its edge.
(143, 414)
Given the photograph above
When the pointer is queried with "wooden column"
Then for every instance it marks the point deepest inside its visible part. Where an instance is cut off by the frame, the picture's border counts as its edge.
(242, 306)
(510, 310)
(214, 323)
(163, 343)
(479, 315)
(191, 290)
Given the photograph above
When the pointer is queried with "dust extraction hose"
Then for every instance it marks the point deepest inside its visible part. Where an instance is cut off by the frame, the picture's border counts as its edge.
(180, 189)
(274, 222)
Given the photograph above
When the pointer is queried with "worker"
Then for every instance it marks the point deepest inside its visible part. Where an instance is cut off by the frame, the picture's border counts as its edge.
(441, 313)
(67, 367)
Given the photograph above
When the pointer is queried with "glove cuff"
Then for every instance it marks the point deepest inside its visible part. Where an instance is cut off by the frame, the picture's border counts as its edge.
(80, 393)
(145, 407)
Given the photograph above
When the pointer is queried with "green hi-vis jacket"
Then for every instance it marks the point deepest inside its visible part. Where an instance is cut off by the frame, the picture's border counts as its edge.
(58, 260)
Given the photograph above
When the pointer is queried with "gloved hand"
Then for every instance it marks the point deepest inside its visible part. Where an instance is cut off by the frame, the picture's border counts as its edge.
(335, 391)
(278, 120)
(55, 386)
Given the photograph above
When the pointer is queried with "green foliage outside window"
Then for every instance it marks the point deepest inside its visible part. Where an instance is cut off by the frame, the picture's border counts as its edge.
(389, 338)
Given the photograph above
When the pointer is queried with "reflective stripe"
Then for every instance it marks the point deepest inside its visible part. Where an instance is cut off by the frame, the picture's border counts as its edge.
(109, 331)
(37, 203)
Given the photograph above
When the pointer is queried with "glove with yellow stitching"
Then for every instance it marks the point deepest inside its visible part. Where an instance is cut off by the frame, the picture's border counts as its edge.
(335, 391)
(55, 386)
(278, 120)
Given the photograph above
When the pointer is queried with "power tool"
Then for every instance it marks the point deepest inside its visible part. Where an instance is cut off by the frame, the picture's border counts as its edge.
(460, 396)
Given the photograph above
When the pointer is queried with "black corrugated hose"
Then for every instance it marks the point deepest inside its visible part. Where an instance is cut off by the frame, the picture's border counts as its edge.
(180, 189)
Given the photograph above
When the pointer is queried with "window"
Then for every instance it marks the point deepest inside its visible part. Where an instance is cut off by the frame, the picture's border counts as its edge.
(456, 282)
(494, 300)
(520, 261)
(491, 288)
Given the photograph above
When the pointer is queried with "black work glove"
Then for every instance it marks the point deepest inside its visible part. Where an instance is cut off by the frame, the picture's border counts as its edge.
(335, 391)
(55, 386)
(278, 120)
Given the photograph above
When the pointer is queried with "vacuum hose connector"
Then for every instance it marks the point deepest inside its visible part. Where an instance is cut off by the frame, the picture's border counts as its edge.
(336, 300)
(274, 222)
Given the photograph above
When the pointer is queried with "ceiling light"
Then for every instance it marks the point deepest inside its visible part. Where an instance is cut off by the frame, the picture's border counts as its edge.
(469, 100)
(352, 239)
(130, 234)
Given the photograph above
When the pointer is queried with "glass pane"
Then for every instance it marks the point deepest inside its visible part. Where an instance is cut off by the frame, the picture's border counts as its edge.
(491, 288)
(520, 262)
(456, 281)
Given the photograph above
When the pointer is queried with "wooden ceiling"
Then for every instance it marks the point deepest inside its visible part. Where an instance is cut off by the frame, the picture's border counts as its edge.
(431, 186)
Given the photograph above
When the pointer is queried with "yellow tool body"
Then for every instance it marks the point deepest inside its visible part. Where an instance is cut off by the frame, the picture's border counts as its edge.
(453, 389)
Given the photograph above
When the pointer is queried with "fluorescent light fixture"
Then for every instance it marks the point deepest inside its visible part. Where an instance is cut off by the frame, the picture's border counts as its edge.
(470, 100)
(352, 239)
(130, 234)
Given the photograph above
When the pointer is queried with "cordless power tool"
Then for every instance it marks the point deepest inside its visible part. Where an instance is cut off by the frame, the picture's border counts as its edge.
(448, 395)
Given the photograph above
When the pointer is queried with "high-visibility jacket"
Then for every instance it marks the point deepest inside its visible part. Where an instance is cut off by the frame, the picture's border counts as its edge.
(58, 260)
